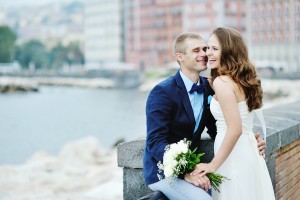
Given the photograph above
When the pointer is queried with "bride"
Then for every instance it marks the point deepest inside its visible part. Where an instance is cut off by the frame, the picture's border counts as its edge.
(238, 93)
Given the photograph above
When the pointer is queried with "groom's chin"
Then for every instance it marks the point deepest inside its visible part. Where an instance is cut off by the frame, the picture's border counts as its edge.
(205, 71)
(205, 68)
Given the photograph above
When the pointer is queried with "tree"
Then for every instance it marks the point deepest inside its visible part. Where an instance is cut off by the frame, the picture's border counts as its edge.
(75, 55)
(33, 53)
(58, 56)
(7, 44)
(70, 55)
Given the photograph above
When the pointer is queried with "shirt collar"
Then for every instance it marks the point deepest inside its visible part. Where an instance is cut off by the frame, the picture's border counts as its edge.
(187, 82)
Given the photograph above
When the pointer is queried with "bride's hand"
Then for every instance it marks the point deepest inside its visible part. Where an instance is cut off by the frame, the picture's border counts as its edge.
(203, 168)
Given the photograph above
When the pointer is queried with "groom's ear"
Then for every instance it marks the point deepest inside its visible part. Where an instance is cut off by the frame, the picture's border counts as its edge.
(179, 57)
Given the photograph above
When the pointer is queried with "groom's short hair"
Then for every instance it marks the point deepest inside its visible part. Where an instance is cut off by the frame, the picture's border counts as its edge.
(179, 43)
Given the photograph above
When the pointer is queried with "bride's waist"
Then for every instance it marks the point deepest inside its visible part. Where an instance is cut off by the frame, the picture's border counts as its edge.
(247, 135)
(224, 130)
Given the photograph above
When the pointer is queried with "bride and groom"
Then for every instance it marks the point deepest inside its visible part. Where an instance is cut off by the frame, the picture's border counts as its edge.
(224, 104)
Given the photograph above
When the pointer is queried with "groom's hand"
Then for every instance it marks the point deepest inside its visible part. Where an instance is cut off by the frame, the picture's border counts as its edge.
(261, 144)
(202, 182)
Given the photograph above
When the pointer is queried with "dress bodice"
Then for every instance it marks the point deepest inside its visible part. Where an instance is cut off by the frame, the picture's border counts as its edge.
(246, 116)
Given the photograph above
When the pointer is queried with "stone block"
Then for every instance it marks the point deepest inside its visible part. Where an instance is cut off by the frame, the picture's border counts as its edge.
(271, 167)
(130, 154)
(289, 135)
(134, 185)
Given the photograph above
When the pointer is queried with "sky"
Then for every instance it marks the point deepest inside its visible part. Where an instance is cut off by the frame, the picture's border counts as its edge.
(14, 3)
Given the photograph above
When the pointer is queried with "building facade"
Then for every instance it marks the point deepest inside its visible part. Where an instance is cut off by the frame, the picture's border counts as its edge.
(204, 16)
(154, 25)
(141, 32)
(151, 29)
(104, 38)
(273, 31)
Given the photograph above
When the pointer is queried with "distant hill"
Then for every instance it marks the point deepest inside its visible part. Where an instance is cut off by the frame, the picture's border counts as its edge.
(49, 23)
(74, 7)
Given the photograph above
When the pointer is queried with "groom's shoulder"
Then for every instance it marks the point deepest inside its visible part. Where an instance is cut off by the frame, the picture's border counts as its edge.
(170, 81)
(165, 84)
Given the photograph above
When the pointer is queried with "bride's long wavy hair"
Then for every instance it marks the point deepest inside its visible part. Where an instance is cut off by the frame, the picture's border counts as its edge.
(236, 64)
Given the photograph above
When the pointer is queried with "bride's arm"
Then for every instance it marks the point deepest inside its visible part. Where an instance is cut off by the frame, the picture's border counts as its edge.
(225, 93)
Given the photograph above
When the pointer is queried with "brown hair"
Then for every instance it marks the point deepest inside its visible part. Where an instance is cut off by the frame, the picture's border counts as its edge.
(236, 64)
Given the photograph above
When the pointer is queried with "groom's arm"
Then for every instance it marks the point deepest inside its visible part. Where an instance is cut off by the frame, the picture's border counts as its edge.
(261, 144)
(211, 125)
(210, 122)
(158, 114)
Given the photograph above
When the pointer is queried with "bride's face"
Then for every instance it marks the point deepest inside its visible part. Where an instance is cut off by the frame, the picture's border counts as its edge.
(213, 52)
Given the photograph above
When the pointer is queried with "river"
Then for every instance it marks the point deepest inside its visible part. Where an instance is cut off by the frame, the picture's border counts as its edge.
(48, 119)
(54, 116)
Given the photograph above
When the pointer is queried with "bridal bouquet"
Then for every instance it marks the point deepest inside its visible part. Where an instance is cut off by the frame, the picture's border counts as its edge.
(179, 159)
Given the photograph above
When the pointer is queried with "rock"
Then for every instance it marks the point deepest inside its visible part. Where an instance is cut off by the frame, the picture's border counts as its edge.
(85, 151)
(82, 171)
(9, 85)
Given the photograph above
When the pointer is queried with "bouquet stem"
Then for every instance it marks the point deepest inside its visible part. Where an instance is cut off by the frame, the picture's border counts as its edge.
(216, 180)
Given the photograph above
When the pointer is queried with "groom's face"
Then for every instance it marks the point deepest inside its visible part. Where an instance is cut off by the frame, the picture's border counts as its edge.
(195, 58)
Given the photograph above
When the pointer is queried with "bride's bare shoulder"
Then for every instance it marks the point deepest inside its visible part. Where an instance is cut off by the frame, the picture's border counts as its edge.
(222, 81)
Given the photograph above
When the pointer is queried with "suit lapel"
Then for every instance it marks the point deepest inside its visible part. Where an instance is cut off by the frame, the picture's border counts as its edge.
(185, 98)
(203, 118)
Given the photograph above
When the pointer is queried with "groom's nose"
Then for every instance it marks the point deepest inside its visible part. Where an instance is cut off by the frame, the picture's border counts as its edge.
(202, 53)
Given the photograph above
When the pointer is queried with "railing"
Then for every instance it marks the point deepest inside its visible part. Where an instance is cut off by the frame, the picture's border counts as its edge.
(282, 154)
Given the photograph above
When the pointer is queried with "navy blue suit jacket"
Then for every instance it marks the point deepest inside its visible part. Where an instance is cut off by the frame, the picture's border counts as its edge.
(170, 119)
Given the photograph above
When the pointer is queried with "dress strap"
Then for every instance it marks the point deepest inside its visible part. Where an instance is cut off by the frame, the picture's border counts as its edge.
(260, 116)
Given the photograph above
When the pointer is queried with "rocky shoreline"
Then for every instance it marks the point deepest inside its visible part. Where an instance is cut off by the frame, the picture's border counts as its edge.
(18, 84)
(83, 170)
(8, 85)
(274, 89)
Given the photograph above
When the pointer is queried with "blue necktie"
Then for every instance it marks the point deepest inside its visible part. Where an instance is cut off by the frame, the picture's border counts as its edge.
(198, 88)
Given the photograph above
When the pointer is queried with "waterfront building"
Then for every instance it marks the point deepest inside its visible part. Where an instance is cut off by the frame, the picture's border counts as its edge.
(141, 32)
(273, 29)
(152, 26)
(104, 42)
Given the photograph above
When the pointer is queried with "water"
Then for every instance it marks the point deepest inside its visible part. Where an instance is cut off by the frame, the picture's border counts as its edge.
(54, 116)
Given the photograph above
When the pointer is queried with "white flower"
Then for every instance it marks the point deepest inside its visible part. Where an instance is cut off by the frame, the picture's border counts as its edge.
(171, 166)
(177, 160)
(182, 146)
(168, 171)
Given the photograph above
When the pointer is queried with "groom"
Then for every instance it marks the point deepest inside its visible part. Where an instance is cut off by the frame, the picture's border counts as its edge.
(178, 108)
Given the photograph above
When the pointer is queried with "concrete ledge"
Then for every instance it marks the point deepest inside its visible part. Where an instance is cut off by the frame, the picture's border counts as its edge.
(283, 128)
(130, 154)
(134, 185)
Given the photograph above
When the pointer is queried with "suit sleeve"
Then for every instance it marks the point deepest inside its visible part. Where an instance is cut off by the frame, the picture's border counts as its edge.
(211, 125)
(158, 115)
(211, 122)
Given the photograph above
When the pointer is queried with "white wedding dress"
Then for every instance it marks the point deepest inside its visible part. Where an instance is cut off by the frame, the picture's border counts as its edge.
(246, 169)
